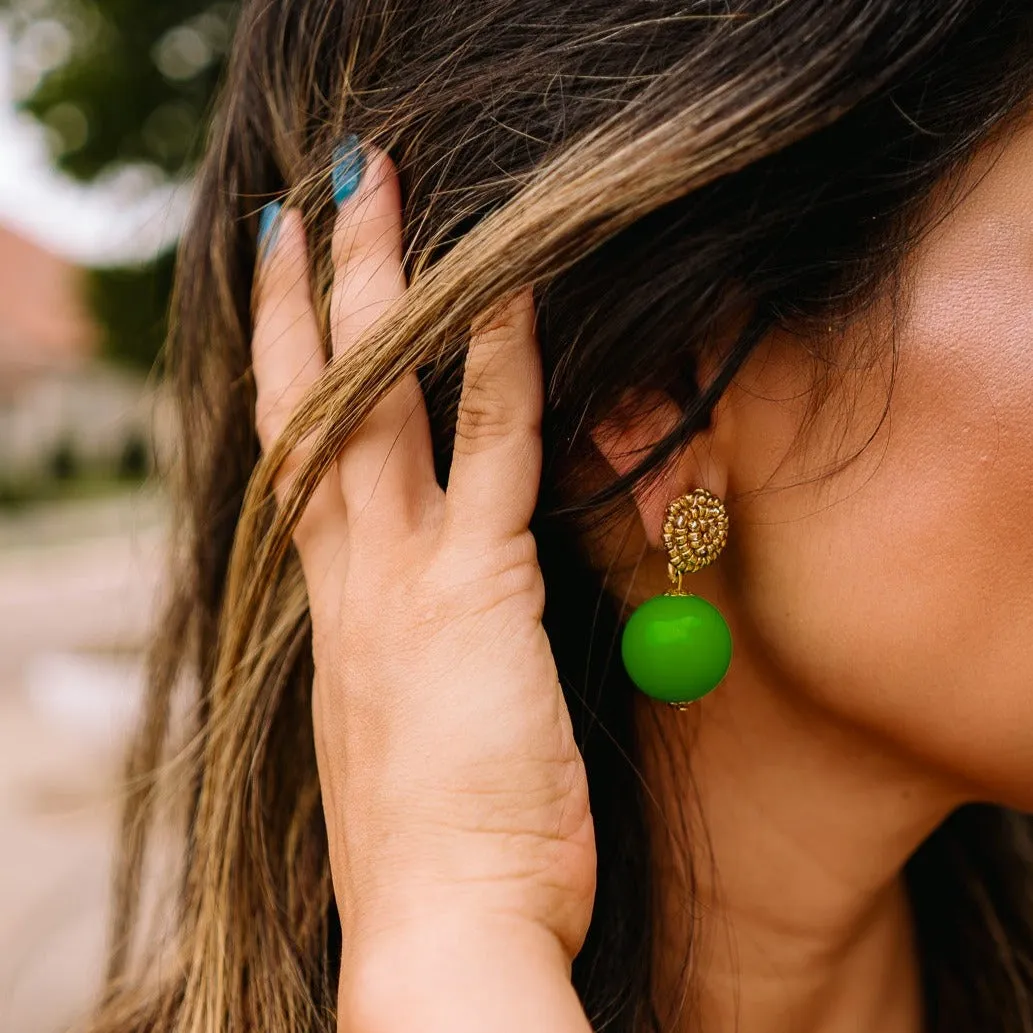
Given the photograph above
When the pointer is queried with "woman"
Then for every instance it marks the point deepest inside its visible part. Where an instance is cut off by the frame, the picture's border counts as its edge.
(571, 263)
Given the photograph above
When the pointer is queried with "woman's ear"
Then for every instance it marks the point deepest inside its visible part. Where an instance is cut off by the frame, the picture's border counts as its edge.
(640, 421)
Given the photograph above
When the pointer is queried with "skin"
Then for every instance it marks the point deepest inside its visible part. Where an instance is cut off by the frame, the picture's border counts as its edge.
(882, 621)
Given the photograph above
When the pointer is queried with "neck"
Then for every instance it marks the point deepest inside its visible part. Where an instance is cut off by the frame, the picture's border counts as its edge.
(796, 832)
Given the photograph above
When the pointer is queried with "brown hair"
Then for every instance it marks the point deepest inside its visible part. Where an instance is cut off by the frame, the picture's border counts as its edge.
(654, 169)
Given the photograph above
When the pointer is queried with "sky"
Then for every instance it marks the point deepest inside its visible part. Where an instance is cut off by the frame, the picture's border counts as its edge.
(123, 220)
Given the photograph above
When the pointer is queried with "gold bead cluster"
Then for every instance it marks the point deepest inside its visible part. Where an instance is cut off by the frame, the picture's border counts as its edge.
(695, 530)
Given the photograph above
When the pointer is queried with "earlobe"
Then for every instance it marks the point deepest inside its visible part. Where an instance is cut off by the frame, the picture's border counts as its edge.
(641, 420)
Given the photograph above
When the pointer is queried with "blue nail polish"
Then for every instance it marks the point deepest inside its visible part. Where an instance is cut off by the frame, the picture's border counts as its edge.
(349, 165)
(269, 225)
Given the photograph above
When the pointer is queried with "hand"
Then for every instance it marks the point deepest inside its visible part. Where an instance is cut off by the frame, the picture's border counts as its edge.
(451, 780)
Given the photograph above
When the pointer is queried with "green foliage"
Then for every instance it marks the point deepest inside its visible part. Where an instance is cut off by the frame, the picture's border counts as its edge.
(122, 82)
(136, 460)
(130, 304)
(64, 462)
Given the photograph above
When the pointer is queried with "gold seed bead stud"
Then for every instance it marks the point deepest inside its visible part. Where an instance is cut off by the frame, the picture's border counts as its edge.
(695, 530)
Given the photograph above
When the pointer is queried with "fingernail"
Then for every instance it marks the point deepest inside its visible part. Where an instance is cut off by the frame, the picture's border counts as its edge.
(269, 225)
(349, 165)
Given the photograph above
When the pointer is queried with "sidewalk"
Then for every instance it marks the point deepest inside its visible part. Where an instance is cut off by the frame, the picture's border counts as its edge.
(77, 586)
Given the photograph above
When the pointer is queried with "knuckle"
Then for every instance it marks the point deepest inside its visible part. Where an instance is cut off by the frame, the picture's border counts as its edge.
(486, 572)
(377, 239)
(519, 553)
(519, 572)
(483, 416)
(497, 324)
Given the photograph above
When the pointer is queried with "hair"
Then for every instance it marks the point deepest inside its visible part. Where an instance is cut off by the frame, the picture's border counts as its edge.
(658, 171)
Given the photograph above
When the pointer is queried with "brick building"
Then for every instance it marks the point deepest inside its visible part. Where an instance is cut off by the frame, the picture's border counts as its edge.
(44, 324)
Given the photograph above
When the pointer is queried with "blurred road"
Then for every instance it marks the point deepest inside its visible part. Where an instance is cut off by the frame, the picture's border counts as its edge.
(77, 588)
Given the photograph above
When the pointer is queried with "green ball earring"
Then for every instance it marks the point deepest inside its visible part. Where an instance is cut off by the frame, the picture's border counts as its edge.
(676, 647)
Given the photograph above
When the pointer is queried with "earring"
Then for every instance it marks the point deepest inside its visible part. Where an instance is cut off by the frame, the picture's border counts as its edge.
(676, 647)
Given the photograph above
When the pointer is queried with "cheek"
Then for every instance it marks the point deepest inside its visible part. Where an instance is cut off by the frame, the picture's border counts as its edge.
(899, 593)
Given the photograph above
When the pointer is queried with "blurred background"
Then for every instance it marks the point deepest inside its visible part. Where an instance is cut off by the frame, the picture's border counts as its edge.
(103, 109)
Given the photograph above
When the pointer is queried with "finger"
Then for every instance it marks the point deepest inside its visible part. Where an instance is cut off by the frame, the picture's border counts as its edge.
(287, 360)
(497, 459)
(388, 464)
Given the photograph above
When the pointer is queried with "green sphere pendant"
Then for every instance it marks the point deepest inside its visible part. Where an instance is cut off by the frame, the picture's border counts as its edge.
(676, 648)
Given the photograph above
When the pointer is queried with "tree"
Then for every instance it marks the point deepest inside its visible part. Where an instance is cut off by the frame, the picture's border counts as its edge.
(115, 83)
